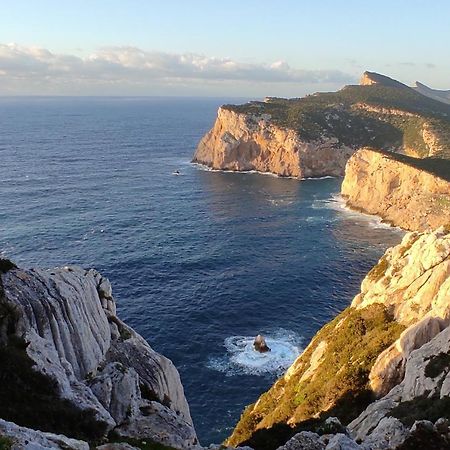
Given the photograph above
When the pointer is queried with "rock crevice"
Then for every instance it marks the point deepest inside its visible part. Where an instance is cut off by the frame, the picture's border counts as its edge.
(60, 326)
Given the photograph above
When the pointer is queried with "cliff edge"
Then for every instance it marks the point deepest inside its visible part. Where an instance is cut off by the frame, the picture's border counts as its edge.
(379, 366)
(411, 193)
(314, 136)
(69, 366)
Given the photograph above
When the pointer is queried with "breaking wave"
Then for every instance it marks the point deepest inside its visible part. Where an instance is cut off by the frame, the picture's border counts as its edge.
(242, 359)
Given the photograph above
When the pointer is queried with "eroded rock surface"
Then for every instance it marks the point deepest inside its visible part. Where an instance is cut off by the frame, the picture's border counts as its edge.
(400, 193)
(243, 142)
(22, 438)
(81, 370)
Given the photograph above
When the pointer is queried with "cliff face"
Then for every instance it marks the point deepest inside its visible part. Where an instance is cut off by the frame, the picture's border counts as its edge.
(243, 142)
(314, 136)
(399, 189)
(392, 343)
(69, 365)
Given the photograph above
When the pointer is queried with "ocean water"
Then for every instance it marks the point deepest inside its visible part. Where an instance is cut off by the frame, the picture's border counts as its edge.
(200, 262)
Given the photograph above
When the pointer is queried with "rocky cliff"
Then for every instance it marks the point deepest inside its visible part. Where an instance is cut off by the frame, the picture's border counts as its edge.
(70, 366)
(409, 193)
(379, 366)
(315, 136)
(243, 142)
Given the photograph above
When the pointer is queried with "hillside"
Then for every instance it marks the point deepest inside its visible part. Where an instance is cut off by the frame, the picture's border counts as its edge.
(315, 135)
(442, 96)
(384, 356)
(388, 117)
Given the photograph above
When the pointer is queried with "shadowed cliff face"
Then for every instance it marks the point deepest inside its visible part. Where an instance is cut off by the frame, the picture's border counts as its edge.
(380, 346)
(69, 365)
(409, 193)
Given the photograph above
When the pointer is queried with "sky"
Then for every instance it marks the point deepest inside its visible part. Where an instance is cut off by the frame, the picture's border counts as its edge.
(250, 48)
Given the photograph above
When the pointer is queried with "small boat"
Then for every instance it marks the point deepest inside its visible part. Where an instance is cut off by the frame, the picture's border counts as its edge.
(176, 172)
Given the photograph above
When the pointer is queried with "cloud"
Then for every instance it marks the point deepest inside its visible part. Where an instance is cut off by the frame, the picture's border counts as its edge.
(413, 64)
(22, 66)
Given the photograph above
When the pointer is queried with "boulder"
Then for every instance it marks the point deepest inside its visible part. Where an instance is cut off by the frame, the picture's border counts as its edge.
(260, 344)
(22, 438)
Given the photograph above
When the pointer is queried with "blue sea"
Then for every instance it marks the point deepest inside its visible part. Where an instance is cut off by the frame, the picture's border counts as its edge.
(200, 262)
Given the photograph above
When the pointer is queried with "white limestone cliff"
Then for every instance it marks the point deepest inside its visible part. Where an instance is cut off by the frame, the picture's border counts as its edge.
(66, 322)
(243, 142)
(397, 191)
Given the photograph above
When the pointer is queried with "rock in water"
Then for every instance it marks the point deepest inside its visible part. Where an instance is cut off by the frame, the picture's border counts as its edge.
(260, 344)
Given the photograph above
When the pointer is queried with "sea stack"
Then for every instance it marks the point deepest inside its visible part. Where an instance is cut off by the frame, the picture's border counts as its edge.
(260, 345)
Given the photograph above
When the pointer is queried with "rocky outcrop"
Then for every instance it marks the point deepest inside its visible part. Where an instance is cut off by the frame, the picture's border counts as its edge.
(314, 136)
(373, 78)
(71, 366)
(245, 142)
(389, 434)
(422, 394)
(412, 194)
(392, 343)
(18, 438)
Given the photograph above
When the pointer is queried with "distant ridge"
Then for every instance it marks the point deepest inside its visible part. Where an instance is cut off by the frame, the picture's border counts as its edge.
(371, 78)
(441, 96)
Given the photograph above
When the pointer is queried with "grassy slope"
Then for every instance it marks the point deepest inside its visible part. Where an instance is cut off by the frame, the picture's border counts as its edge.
(335, 114)
(355, 338)
(339, 386)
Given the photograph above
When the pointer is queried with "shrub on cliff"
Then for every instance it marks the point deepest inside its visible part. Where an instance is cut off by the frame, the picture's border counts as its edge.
(338, 386)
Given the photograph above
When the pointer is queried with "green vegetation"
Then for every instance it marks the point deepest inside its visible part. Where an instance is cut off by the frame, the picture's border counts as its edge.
(344, 115)
(5, 443)
(437, 364)
(339, 386)
(377, 272)
(31, 399)
(443, 201)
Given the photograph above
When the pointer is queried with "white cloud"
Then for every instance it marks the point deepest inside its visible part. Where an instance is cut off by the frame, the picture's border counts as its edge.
(38, 70)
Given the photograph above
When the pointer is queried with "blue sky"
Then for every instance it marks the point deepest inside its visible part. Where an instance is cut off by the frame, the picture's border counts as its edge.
(198, 47)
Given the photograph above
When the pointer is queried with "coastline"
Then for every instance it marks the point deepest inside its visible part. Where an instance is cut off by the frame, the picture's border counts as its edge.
(207, 168)
(339, 199)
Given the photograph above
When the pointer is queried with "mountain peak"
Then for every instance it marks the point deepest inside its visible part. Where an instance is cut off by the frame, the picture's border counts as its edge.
(369, 78)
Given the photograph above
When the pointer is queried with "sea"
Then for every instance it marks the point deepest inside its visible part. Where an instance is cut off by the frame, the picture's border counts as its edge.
(200, 261)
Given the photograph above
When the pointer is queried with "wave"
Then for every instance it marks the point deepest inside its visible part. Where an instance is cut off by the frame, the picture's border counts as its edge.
(242, 359)
(270, 174)
(337, 203)
(319, 178)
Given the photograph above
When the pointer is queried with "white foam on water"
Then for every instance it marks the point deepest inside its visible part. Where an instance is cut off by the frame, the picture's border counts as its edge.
(318, 178)
(279, 202)
(241, 358)
(270, 174)
(337, 203)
